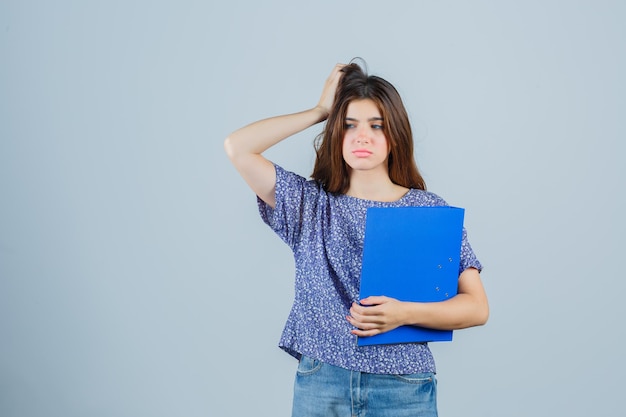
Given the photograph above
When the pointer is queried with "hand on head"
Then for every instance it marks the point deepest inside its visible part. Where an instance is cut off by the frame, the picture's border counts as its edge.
(330, 87)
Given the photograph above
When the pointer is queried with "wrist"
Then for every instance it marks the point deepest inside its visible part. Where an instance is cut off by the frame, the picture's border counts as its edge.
(321, 112)
(413, 313)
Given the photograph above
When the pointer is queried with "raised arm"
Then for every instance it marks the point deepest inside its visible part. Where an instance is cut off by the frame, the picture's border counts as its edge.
(245, 146)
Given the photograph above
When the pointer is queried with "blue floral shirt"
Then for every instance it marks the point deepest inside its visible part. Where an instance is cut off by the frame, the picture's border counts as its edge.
(325, 232)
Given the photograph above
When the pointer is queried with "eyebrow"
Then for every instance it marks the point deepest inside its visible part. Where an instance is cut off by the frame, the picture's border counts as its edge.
(371, 119)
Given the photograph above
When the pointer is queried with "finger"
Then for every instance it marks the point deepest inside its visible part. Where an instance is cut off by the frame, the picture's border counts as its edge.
(362, 322)
(374, 300)
(363, 311)
(365, 333)
(336, 73)
(371, 314)
(364, 325)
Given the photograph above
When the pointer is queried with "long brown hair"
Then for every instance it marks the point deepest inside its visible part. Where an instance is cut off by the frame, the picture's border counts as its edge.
(330, 169)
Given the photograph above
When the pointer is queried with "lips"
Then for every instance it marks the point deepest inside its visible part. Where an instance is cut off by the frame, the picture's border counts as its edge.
(361, 153)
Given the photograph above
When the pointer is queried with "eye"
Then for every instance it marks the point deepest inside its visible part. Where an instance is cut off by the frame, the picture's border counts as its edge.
(377, 127)
(349, 126)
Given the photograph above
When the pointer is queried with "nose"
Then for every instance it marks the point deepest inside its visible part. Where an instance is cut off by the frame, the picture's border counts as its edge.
(362, 136)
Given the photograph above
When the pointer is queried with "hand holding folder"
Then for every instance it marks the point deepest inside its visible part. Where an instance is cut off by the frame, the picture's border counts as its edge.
(411, 254)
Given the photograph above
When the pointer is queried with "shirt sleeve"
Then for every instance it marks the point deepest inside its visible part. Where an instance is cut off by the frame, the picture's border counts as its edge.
(285, 219)
(468, 257)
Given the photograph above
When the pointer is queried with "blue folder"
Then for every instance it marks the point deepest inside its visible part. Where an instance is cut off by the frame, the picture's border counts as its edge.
(411, 254)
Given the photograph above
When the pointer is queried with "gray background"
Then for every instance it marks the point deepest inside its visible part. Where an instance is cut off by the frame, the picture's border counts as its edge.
(136, 278)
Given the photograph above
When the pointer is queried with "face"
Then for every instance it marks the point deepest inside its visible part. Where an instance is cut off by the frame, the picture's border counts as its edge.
(364, 144)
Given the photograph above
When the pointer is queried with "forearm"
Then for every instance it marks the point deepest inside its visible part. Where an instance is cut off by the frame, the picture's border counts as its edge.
(256, 138)
(466, 309)
(459, 312)
(245, 146)
(379, 314)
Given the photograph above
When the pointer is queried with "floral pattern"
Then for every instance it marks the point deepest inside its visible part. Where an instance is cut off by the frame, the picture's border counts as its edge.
(325, 232)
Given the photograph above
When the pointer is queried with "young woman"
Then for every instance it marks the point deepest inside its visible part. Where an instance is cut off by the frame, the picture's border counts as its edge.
(364, 159)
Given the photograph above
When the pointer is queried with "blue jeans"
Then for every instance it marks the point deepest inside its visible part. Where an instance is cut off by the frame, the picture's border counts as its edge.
(325, 390)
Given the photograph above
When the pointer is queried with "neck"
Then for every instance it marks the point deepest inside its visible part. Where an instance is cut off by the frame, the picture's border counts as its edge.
(373, 186)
